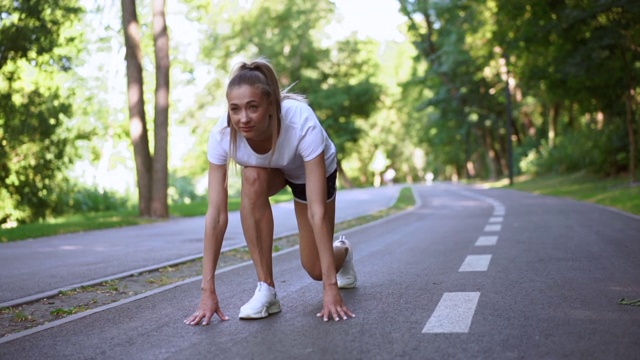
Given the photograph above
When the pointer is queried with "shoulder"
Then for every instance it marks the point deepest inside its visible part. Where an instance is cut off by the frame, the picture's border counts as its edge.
(295, 105)
(220, 127)
(297, 112)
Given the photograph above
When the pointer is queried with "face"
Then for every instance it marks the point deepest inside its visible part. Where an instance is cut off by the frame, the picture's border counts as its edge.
(249, 112)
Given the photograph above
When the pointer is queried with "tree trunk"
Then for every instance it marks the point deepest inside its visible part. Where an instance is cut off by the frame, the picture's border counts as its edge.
(553, 124)
(159, 207)
(343, 177)
(632, 140)
(137, 120)
(492, 155)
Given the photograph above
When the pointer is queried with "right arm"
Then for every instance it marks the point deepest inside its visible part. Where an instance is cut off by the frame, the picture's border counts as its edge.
(215, 227)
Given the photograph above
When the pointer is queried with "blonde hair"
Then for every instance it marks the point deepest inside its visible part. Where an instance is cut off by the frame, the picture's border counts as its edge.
(261, 75)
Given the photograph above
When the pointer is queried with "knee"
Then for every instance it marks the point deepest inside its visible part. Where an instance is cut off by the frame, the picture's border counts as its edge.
(254, 181)
(314, 271)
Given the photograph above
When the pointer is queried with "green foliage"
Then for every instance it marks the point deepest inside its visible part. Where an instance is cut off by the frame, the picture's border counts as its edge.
(38, 42)
(347, 92)
(81, 199)
(568, 62)
(182, 190)
(597, 151)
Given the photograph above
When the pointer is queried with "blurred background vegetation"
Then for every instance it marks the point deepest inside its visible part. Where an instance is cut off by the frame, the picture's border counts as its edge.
(474, 89)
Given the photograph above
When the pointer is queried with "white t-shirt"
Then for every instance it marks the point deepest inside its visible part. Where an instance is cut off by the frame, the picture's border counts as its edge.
(301, 139)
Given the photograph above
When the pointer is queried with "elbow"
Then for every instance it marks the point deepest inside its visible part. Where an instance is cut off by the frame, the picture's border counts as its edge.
(316, 216)
(216, 219)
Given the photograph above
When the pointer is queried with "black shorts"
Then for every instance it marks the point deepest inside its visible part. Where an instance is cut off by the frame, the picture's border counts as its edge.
(300, 190)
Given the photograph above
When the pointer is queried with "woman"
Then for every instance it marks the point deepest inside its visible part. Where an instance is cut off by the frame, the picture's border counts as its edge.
(278, 141)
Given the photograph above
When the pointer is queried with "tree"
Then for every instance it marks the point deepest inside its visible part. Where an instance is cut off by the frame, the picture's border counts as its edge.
(347, 94)
(160, 182)
(573, 79)
(38, 43)
(579, 56)
(151, 172)
(451, 37)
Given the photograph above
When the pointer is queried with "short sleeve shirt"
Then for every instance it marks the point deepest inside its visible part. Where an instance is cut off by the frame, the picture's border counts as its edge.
(301, 139)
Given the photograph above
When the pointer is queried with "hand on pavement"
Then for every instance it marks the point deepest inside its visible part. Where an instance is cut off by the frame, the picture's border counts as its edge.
(208, 307)
(332, 305)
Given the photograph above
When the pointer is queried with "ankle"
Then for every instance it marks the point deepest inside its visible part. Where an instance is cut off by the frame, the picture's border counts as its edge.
(269, 285)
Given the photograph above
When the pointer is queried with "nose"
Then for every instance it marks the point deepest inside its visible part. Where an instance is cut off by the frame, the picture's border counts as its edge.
(244, 117)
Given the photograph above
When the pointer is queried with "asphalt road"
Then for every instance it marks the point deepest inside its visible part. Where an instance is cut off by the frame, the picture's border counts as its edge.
(46, 265)
(468, 274)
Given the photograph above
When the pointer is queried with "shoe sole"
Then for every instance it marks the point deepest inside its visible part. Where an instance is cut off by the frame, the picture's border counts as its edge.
(273, 309)
(348, 285)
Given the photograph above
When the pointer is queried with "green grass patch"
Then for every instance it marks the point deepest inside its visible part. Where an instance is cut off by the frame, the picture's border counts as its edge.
(615, 192)
(405, 199)
(73, 223)
(68, 311)
(113, 219)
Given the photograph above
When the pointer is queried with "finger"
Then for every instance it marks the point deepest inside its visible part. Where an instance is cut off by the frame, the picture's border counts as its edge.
(346, 313)
(342, 314)
(336, 315)
(197, 319)
(190, 320)
(206, 319)
(221, 315)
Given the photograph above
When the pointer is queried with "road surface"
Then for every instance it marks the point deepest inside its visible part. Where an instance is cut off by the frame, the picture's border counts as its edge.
(469, 273)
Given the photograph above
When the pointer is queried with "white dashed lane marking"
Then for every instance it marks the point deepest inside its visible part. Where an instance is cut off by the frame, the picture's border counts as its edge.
(492, 227)
(487, 241)
(475, 263)
(453, 313)
(455, 310)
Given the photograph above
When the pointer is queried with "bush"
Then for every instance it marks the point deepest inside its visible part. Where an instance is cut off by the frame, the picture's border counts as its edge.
(598, 151)
(81, 199)
(182, 190)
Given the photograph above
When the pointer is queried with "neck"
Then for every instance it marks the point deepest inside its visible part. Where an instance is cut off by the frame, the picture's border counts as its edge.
(260, 146)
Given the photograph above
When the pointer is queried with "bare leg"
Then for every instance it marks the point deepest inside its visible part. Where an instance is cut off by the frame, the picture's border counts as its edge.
(257, 218)
(308, 250)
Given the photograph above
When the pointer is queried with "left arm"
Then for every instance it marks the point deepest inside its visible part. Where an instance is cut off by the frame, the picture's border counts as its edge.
(317, 212)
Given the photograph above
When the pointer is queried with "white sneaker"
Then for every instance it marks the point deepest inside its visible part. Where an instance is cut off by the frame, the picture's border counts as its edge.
(347, 277)
(263, 303)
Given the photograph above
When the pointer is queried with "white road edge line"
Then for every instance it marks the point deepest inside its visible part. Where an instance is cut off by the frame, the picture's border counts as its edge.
(475, 263)
(453, 313)
(497, 219)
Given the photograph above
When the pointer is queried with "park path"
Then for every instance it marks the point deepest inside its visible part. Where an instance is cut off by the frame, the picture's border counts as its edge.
(36, 268)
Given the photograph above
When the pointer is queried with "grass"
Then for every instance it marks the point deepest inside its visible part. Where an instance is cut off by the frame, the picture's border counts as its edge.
(615, 192)
(73, 223)
(113, 219)
(405, 199)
